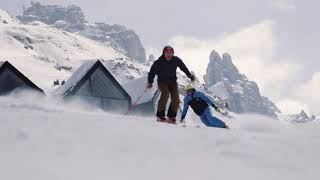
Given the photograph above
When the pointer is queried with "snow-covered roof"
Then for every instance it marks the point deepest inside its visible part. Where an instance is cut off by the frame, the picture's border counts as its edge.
(136, 88)
(76, 77)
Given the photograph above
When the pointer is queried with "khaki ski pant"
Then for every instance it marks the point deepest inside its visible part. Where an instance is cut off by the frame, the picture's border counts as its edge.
(168, 89)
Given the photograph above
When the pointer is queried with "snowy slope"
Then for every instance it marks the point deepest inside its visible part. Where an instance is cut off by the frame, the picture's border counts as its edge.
(49, 140)
(44, 53)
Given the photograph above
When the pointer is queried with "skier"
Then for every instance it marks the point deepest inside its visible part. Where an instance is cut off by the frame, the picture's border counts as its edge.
(165, 68)
(199, 102)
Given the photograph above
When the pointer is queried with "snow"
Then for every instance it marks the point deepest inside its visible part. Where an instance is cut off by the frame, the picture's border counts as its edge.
(36, 49)
(219, 89)
(50, 47)
(136, 88)
(48, 139)
(44, 137)
(6, 17)
(1, 63)
(75, 77)
(125, 71)
(237, 88)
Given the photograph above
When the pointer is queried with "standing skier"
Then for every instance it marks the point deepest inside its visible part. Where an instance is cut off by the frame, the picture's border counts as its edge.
(199, 102)
(165, 68)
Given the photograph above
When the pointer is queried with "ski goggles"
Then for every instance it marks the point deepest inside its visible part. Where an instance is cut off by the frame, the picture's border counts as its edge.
(168, 53)
(189, 91)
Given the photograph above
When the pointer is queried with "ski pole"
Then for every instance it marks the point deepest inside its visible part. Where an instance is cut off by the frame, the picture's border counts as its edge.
(134, 104)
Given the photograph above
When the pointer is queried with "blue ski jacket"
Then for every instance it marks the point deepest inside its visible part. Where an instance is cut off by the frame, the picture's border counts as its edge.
(198, 102)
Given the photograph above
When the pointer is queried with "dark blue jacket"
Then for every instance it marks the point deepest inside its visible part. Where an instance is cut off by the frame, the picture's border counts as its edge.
(167, 70)
(198, 102)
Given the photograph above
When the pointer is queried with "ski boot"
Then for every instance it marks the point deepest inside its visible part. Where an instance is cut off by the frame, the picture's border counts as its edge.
(161, 119)
(171, 120)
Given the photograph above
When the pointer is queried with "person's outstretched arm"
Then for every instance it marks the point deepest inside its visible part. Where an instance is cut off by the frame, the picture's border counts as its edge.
(184, 68)
(206, 98)
(185, 108)
(152, 73)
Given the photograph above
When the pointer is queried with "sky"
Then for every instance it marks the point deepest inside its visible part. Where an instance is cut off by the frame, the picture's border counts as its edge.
(273, 42)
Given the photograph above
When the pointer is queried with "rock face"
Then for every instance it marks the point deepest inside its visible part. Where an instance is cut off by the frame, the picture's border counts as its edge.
(72, 19)
(151, 58)
(302, 117)
(243, 96)
(118, 37)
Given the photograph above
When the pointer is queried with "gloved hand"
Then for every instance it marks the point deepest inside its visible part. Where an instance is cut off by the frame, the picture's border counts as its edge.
(149, 86)
(192, 77)
(181, 120)
(216, 108)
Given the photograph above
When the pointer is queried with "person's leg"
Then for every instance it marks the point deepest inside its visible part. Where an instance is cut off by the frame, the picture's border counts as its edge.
(211, 120)
(163, 88)
(204, 119)
(174, 105)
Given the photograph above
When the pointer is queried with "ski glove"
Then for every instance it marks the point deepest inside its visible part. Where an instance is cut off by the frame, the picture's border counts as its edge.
(192, 78)
(149, 86)
(216, 108)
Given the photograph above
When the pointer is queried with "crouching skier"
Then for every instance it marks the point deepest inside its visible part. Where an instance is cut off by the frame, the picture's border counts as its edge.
(199, 102)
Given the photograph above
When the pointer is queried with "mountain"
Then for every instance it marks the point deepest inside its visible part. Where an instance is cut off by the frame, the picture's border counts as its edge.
(72, 19)
(46, 54)
(242, 95)
(151, 59)
(302, 117)
(47, 138)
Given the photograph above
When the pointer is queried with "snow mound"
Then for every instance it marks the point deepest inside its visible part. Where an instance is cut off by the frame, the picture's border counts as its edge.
(45, 139)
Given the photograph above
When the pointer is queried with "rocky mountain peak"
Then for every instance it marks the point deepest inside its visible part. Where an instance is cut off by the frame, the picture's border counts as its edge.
(214, 56)
(301, 117)
(220, 68)
(71, 18)
(243, 96)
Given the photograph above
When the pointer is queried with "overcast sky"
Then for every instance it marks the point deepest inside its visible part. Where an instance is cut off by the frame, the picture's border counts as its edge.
(274, 42)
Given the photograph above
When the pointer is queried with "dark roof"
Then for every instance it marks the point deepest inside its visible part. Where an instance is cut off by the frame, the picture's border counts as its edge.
(6, 64)
(1, 63)
(80, 76)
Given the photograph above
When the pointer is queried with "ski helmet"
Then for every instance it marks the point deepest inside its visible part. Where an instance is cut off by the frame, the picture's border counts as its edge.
(168, 49)
(188, 87)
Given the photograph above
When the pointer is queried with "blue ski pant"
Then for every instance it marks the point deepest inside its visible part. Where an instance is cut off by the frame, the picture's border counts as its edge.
(209, 120)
